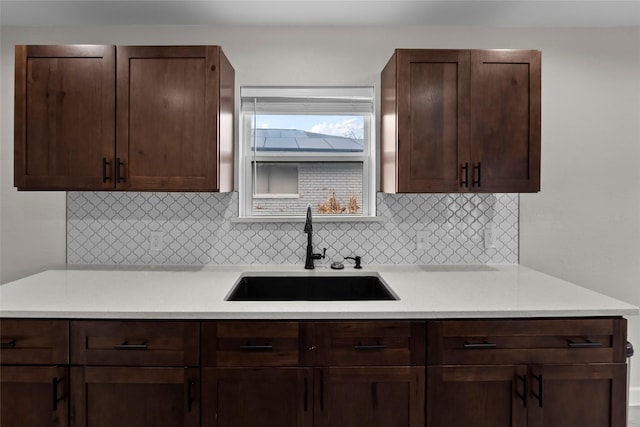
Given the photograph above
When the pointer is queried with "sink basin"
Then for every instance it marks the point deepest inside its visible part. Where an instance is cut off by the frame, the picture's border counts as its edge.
(310, 288)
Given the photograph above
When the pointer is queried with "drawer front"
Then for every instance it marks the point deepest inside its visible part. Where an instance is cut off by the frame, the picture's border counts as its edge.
(251, 343)
(600, 340)
(124, 343)
(370, 343)
(34, 342)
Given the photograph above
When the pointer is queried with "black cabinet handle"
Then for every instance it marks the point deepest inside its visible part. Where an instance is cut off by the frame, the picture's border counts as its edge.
(105, 163)
(378, 346)
(8, 344)
(464, 182)
(321, 391)
(585, 344)
(539, 394)
(190, 399)
(525, 389)
(478, 169)
(126, 346)
(56, 399)
(119, 177)
(479, 346)
(305, 394)
(249, 347)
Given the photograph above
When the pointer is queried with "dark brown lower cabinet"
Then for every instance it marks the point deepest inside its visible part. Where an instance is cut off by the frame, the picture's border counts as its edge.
(487, 396)
(370, 396)
(34, 396)
(580, 395)
(134, 397)
(257, 397)
(299, 397)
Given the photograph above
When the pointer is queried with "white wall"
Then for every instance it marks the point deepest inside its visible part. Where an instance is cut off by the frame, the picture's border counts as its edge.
(32, 224)
(583, 226)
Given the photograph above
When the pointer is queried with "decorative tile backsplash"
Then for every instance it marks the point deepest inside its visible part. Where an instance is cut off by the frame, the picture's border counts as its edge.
(114, 228)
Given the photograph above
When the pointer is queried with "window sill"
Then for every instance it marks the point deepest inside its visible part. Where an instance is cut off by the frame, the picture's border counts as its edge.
(301, 219)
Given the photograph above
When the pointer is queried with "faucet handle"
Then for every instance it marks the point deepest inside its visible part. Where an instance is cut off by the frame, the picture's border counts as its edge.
(320, 256)
(357, 259)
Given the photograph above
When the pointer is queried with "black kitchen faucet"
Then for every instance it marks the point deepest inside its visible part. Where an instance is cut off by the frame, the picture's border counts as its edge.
(308, 228)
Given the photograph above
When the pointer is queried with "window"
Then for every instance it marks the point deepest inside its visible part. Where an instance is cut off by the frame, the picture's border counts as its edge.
(302, 146)
(276, 180)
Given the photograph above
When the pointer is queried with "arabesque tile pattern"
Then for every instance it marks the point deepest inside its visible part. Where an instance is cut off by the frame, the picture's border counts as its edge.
(113, 228)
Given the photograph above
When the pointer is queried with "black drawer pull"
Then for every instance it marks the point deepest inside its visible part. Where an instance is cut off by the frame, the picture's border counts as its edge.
(190, 398)
(464, 182)
(249, 347)
(525, 390)
(585, 344)
(119, 178)
(8, 344)
(56, 399)
(477, 168)
(305, 395)
(370, 347)
(538, 395)
(126, 346)
(479, 346)
(105, 163)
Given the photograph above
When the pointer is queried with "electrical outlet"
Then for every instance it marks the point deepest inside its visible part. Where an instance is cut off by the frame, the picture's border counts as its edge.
(155, 240)
(490, 236)
(422, 238)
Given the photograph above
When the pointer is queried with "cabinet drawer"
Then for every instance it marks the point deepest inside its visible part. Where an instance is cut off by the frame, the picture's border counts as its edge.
(33, 342)
(118, 343)
(370, 343)
(251, 344)
(599, 340)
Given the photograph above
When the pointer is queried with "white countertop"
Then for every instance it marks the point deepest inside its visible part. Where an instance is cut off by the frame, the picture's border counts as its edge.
(425, 292)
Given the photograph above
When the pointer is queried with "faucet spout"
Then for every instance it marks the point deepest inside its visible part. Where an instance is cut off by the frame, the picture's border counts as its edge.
(308, 228)
(308, 225)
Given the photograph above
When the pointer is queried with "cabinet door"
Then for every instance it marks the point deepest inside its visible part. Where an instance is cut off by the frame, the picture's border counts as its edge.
(505, 120)
(33, 396)
(167, 117)
(433, 120)
(133, 397)
(370, 396)
(477, 396)
(64, 117)
(578, 395)
(257, 397)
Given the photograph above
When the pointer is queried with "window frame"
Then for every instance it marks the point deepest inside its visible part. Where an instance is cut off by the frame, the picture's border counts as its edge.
(287, 101)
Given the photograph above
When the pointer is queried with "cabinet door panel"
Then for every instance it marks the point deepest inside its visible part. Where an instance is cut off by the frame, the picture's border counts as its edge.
(33, 396)
(578, 395)
(167, 117)
(372, 397)
(476, 396)
(134, 343)
(433, 127)
(106, 397)
(257, 397)
(380, 343)
(34, 341)
(231, 343)
(64, 116)
(505, 120)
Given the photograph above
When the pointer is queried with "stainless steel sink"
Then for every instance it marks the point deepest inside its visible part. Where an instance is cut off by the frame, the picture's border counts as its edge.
(310, 288)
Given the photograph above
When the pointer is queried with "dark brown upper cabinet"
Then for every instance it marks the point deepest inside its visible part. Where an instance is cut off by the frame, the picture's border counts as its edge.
(461, 121)
(171, 128)
(64, 116)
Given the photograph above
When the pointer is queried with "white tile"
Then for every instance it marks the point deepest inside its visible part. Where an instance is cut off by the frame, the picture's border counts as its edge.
(113, 227)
